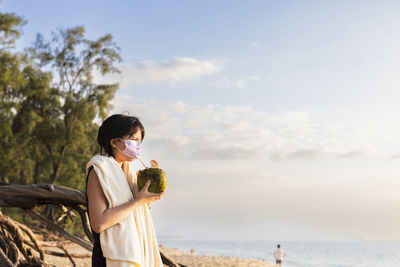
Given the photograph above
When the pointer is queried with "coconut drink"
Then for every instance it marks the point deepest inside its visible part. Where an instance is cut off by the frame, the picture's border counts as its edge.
(157, 176)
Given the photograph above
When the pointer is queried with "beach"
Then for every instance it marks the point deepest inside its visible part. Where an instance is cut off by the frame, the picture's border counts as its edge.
(187, 259)
(300, 254)
(192, 259)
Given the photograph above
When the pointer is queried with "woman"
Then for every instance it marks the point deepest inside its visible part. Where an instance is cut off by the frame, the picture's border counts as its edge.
(118, 212)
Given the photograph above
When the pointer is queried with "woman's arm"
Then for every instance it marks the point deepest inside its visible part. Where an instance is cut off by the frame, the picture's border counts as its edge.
(100, 216)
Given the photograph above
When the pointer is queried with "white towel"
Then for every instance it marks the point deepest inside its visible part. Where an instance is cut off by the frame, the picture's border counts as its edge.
(133, 239)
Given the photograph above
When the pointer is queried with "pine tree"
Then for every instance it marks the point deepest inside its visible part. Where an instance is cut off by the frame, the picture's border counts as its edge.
(69, 109)
(11, 82)
(50, 105)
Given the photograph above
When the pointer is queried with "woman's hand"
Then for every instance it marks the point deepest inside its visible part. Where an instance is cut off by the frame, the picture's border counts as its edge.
(147, 197)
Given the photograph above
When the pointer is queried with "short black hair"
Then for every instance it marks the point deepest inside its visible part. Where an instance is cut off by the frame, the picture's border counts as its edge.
(117, 126)
(278, 246)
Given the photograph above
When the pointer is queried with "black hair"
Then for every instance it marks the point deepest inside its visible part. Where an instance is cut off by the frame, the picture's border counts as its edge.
(279, 246)
(117, 126)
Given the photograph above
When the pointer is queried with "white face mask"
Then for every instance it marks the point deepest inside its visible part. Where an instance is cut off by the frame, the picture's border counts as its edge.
(132, 148)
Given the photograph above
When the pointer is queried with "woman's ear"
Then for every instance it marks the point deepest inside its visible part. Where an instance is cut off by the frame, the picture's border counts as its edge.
(113, 143)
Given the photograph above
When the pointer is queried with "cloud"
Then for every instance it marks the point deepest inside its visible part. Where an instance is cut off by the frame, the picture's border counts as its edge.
(236, 83)
(395, 156)
(233, 132)
(352, 154)
(243, 198)
(236, 166)
(172, 72)
(297, 154)
(315, 153)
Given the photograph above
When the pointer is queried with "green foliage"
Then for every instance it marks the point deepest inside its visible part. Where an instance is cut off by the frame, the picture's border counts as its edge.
(50, 103)
(12, 81)
(9, 32)
(67, 108)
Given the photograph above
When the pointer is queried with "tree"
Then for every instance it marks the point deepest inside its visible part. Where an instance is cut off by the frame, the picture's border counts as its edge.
(65, 135)
(51, 105)
(11, 82)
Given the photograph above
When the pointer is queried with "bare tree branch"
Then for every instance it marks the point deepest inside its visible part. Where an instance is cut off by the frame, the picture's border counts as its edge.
(52, 226)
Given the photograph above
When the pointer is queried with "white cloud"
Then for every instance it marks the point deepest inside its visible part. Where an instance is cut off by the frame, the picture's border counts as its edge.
(396, 156)
(234, 197)
(236, 83)
(171, 72)
(229, 132)
(240, 167)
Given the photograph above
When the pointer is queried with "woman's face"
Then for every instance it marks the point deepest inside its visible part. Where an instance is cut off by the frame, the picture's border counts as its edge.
(119, 145)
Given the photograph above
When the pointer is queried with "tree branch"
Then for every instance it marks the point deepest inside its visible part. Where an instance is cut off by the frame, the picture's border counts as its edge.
(85, 222)
(16, 195)
(83, 243)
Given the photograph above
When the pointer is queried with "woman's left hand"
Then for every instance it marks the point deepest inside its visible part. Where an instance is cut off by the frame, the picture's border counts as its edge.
(154, 197)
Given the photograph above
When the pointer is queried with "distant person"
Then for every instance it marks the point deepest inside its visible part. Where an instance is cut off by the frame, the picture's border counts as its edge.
(279, 255)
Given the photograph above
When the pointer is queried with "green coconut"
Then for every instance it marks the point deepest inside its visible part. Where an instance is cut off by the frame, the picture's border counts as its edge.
(156, 175)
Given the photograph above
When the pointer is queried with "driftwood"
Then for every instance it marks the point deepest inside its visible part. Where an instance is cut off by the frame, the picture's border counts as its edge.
(60, 245)
(61, 231)
(13, 244)
(31, 195)
(36, 244)
(4, 260)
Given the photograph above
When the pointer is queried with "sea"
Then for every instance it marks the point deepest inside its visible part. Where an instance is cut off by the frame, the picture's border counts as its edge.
(300, 253)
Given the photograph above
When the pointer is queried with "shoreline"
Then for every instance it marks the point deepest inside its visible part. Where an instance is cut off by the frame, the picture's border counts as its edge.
(182, 257)
(196, 260)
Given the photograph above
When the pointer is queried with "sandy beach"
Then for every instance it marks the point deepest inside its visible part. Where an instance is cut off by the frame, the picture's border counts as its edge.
(192, 259)
(188, 259)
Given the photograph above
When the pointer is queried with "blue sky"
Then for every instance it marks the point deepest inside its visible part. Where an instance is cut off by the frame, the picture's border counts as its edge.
(275, 120)
(305, 53)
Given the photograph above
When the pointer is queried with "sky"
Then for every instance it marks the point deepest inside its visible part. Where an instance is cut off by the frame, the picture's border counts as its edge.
(274, 120)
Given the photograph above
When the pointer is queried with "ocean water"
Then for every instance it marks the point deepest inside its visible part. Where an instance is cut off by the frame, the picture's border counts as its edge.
(300, 254)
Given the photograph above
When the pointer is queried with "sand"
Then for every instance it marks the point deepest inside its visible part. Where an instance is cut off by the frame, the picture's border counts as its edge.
(188, 259)
(194, 260)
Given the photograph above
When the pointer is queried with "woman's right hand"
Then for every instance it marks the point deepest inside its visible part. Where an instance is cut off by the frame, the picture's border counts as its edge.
(147, 197)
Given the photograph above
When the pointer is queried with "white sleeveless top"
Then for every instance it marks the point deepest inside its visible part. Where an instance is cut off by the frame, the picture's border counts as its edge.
(132, 239)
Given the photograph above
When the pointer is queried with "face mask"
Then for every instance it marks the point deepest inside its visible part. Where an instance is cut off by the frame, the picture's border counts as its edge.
(132, 148)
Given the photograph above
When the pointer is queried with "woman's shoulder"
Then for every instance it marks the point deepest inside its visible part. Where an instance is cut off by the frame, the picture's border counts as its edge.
(97, 160)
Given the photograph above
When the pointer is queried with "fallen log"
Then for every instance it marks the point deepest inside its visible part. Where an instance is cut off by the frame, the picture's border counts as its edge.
(30, 196)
